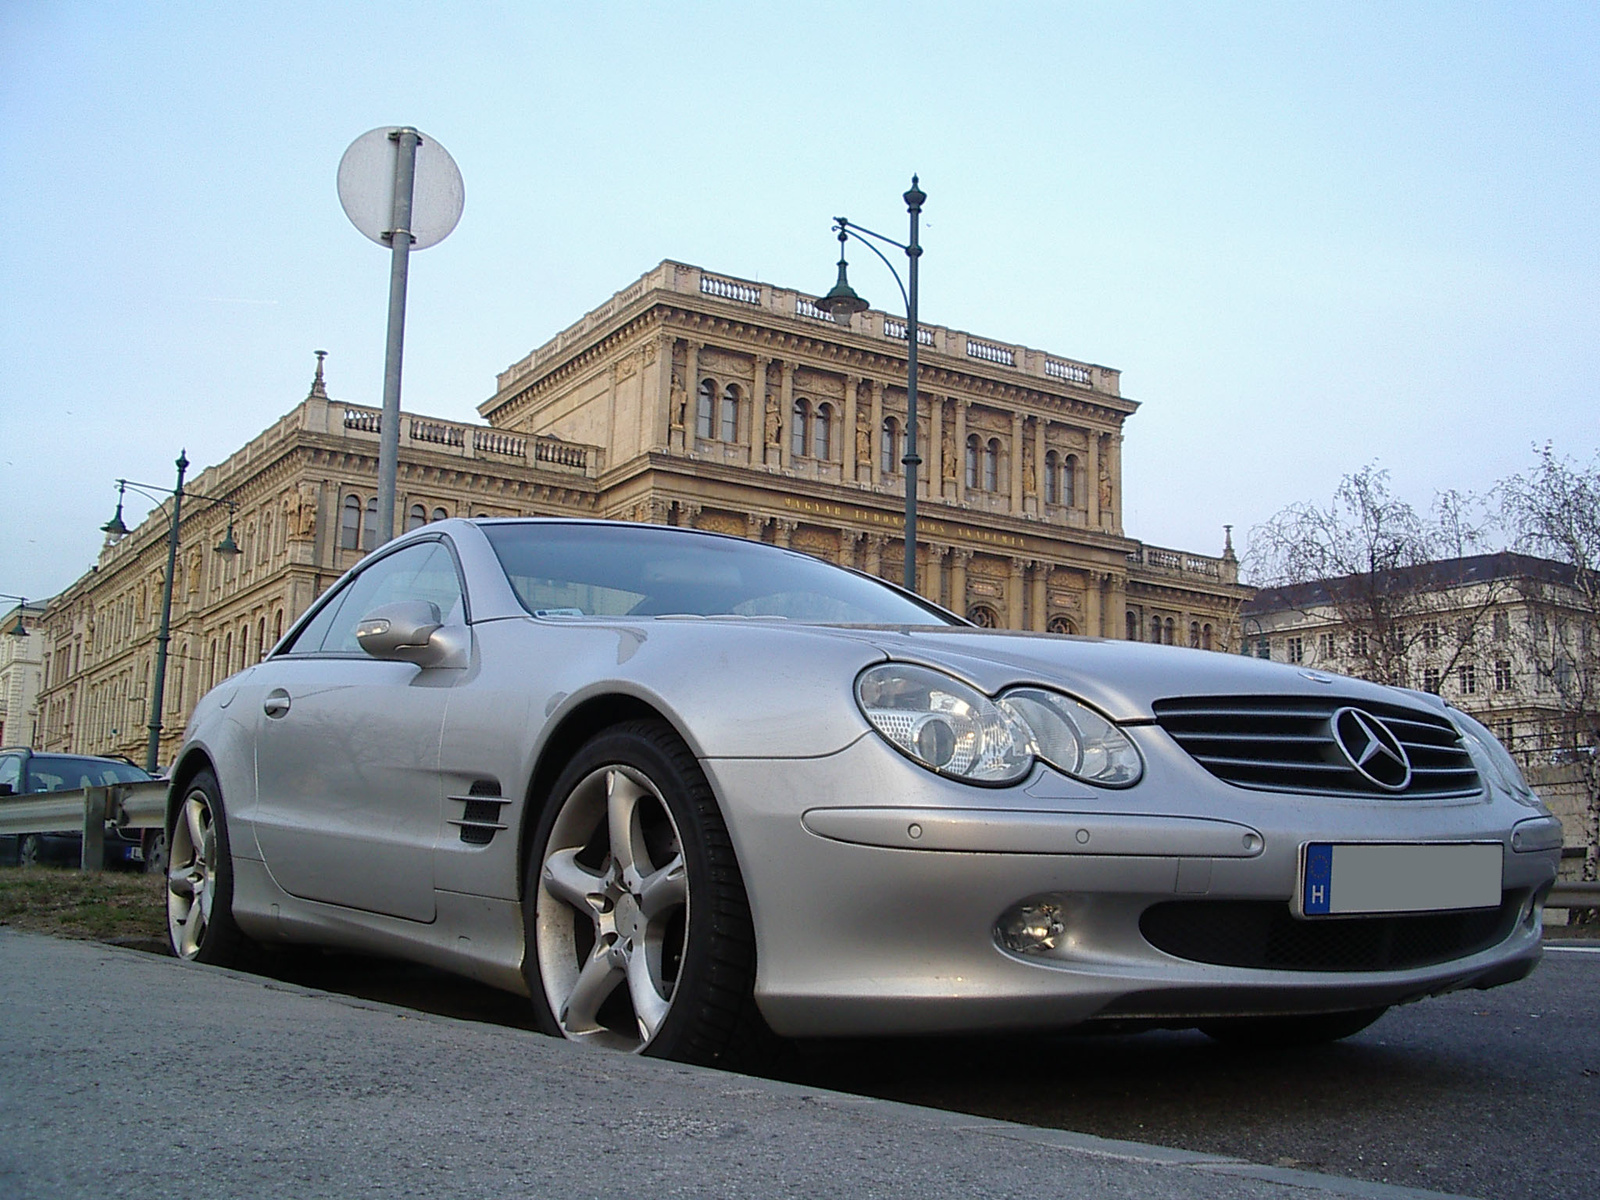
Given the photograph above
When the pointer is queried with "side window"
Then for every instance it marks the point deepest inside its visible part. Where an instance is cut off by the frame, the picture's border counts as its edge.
(425, 572)
(309, 639)
(11, 771)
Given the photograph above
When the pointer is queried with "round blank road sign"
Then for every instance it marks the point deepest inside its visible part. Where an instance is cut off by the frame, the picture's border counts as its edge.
(366, 188)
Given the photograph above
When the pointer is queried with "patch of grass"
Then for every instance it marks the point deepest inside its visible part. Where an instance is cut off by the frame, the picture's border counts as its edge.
(106, 907)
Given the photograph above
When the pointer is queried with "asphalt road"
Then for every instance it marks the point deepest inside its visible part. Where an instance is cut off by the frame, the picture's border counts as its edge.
(126, 1075)
(1490, 1094)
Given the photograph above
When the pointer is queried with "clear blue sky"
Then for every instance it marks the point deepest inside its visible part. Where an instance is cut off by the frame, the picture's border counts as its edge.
(1310, 235)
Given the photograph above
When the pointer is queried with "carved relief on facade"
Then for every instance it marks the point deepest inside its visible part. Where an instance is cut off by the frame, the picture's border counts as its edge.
(724, 365)
(721, 522)
(823, 543)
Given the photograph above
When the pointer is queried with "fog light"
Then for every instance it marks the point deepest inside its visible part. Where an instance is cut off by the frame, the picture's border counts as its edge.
(1035, 928)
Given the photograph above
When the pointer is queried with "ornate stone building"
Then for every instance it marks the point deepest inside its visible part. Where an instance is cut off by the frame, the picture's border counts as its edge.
(687, 398)
(21, 666)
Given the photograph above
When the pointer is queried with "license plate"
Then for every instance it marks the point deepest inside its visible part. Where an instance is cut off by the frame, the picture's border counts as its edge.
(1343, 879)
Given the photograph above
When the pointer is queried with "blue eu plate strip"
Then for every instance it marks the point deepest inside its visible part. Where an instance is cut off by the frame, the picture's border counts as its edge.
(1315, 899)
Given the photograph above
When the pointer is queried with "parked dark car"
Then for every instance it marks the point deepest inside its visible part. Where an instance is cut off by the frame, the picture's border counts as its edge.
(25, 772)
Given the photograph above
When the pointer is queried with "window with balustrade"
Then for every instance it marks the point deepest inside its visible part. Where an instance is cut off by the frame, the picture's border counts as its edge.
(730, 413)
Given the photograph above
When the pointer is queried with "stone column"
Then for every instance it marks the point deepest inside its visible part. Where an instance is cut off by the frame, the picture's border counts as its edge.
(875, 431)
(961, 453)
(959, 558)
(1014, 594)
(875, 545)
(847, 434)
(1114, 469)
(783, 531)
(1016, 462)
(1091, 484)
(755, 411)
(655, 416)
(691, 384)
(785, 413)
(689, 514)
(1037, 601)
(1117, 602)
(754, 525)
(849, 546)
(1039, 424)
(933, 469)
(1093, 616)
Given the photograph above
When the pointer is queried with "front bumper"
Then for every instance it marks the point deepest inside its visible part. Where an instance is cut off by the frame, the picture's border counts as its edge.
(876, 888)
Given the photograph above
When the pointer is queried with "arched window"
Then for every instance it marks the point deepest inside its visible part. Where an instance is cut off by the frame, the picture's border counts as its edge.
(416, 518)
(1205, 636)
(1051, 495)
(1194, 635)
(1133, 627)
(983, 616)
(1155, 630)
(1061, 625)
(1069, 481)
(704, 405)
(261, 639)
(439, 514)
(730, 413)
(822, 433)
(350, 524)
(211, 666)
(972, 461)
(991, 466)
(369, 535)
(1169, 631)
(800, 434)
(277, 628)
(227, 655)
(889, 451)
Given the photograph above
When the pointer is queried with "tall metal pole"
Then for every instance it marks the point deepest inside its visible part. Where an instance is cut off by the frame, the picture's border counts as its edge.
(399, 238)
(158, 685)
(912, 459)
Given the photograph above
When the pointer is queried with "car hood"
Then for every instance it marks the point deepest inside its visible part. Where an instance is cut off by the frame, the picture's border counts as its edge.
(1122, 679)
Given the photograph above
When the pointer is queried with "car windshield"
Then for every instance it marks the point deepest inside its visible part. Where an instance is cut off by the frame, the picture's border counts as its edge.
(628, 571)
(64, 773)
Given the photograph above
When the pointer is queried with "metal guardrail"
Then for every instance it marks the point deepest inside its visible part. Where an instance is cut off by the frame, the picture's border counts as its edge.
(125, 805)
(1574, 893)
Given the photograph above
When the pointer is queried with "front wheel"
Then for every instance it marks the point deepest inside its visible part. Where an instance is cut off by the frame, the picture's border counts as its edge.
(200, 923)
(639, 932)
(30, 851)
(1281, 1033)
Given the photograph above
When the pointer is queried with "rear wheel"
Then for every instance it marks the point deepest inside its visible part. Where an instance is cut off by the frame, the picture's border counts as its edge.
(200, 923)
(1275, 1033)
(30, 851)
(639, 932)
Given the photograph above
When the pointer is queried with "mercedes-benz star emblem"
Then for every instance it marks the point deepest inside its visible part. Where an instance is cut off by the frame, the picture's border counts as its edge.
(1369, 747)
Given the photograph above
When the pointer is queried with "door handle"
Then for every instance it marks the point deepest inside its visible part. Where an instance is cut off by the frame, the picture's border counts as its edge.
(276, 703)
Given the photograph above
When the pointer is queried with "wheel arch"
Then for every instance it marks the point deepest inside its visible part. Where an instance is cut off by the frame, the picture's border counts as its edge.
(193, 761)
(586, 719)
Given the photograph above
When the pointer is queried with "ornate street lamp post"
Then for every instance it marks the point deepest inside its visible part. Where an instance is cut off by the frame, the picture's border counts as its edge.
(841, 303)
(115, 530)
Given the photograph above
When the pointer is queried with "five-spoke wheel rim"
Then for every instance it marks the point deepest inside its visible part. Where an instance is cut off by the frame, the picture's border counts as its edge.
(612, 914)
(191, 874)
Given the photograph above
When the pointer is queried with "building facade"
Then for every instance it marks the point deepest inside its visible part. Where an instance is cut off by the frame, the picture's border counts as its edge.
(1475, 630)
(687, 398)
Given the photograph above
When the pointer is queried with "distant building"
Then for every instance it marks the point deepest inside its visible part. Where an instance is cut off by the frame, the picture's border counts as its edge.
(688, 399)
(1471, 630)
(21, 668)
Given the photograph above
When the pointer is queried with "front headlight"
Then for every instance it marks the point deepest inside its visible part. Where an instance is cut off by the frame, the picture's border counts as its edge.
(1494, 760)
(954, 729)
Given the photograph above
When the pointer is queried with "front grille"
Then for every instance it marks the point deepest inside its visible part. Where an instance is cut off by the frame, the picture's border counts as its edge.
(1264, 933)
(1287, 744)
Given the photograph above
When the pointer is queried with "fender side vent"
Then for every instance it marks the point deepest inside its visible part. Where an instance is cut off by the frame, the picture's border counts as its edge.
(480, 815)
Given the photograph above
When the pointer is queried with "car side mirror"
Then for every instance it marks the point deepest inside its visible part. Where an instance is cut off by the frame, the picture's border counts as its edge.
(412, 631)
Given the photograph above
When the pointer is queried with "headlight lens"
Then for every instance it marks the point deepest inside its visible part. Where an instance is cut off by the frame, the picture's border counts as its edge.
(956, 730)
(1073, 738)
(943, 724)
(1494, 760)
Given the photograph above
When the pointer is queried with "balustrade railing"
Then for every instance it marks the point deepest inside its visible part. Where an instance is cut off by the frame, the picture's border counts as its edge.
(897, 329)
(1071, 372)
(989, 352)
(729, 289)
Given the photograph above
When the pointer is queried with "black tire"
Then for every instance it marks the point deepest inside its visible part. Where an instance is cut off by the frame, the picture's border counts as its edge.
(200, 925)
(30, 850)
(663, 930)
(1283, 1033)
(155, 852)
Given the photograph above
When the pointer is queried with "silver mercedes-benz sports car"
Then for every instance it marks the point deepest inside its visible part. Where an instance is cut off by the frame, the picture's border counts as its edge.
(688, 792)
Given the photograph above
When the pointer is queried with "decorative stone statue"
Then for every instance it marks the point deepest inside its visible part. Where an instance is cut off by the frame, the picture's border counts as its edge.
(772, 420)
